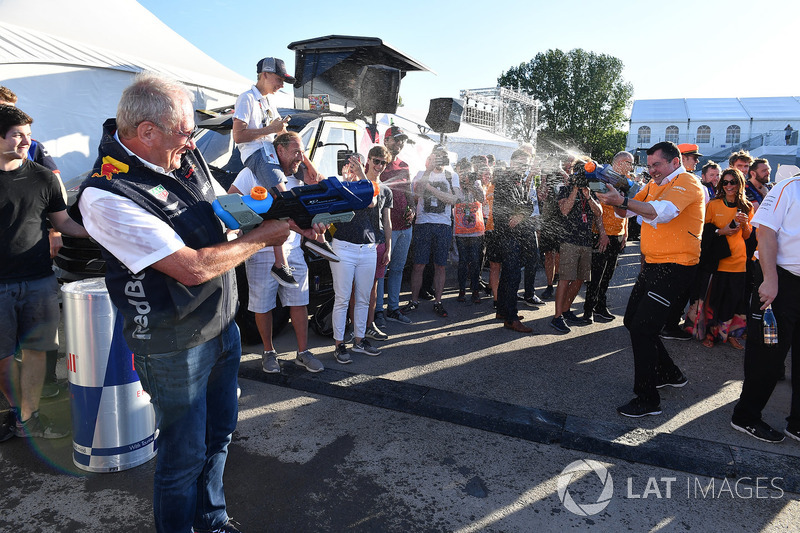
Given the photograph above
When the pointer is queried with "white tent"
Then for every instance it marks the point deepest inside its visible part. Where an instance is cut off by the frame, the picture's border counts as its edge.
(69, 63)
(468, 141)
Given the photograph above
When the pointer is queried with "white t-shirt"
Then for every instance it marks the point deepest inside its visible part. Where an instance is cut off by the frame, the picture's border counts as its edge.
(438, 180)
(780, 211)
(245, 181)
(256, 110)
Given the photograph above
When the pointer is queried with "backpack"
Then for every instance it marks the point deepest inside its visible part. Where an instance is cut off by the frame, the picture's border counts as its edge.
(322, 319)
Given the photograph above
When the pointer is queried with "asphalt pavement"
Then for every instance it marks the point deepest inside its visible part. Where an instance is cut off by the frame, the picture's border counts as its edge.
(459, 425)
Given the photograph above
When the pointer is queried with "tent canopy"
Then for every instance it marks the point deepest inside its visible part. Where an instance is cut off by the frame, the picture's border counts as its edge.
(68, 69)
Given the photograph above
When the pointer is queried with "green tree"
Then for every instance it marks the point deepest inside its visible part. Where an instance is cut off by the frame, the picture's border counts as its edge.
(583, 100)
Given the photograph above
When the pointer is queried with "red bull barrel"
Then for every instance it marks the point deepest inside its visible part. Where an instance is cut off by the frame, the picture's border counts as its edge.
(113, 422)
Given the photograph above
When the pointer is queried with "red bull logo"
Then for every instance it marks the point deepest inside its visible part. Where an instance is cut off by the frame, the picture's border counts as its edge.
(110, 167)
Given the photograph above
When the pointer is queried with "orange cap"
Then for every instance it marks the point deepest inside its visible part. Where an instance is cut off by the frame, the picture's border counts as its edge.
(689, 149)
(376, 190)
(590, 166)
(258, 193)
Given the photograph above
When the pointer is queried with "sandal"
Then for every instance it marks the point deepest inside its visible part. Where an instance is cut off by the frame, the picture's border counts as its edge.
(708, 342)
(733, 341)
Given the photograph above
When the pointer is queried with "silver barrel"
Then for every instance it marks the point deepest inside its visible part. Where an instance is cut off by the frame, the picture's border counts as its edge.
(113, 422)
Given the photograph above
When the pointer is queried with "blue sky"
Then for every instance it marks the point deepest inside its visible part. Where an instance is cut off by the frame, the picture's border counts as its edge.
(682, 49)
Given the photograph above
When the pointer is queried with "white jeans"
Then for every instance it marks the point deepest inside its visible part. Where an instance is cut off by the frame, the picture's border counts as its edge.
(355, 270)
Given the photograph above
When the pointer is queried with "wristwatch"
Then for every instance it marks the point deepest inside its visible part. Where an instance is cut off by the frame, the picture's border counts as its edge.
(624, 204)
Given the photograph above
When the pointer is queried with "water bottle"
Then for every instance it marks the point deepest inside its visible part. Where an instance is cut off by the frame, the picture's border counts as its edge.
(770, 327)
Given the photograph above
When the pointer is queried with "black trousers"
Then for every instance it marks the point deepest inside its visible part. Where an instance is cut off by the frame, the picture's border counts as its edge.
(656, 287)
(763, 365)
(603, 266)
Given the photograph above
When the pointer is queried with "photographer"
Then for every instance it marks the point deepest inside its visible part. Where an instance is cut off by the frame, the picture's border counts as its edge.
(552, 227)
(436, 190)
(580, 211)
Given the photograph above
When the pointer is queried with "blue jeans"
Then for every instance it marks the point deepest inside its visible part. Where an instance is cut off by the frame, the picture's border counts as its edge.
(193, 392)
(401, 242)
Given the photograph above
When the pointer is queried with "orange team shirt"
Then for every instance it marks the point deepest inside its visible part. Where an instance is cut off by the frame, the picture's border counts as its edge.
(613, 224)
(487, 207)
(721, 215)
(677, 241)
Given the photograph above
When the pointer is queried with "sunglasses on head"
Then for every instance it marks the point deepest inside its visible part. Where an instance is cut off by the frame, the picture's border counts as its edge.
(376, 162)
(729, 182)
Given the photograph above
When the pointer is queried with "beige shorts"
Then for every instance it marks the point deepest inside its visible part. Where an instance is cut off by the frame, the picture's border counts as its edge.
(575, 262)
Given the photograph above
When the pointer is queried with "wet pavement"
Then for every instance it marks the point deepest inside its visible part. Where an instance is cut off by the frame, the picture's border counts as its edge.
(459, 425)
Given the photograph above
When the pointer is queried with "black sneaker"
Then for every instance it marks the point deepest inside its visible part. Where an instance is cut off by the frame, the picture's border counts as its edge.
(675, 334)
(678, 380)
(574, 319)
(322, 249)
(533, 301)
(229, 527)
(50, 390)
(603, 315)
(366, 348)
(410, 306)
(547, 294)
(587, 317)
(440, 310)
(792, 433)
(39, 426)
(7, 425)
(395, 315)
(760, 430)
(284, 275)
(638, 408)
(559, 325)
(341, 354)
(426, 295)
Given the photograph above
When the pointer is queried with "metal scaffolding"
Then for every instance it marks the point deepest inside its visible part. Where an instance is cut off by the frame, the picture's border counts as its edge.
(492, 109)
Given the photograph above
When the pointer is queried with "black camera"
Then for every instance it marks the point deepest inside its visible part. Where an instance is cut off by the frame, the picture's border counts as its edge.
(440, 157)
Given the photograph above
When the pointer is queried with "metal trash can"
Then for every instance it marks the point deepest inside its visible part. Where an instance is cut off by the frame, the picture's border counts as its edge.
(113, 422)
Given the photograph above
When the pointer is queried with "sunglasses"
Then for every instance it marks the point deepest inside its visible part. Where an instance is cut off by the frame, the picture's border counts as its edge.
(376, 162)
(729, 182)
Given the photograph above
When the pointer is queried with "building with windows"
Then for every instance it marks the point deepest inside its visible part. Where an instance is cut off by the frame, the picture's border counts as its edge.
(766, 126)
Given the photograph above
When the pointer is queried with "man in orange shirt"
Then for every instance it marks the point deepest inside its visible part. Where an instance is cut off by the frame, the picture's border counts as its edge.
(672, 207)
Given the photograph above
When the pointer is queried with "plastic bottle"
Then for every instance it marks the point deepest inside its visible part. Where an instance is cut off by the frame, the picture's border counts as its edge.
(770, 327)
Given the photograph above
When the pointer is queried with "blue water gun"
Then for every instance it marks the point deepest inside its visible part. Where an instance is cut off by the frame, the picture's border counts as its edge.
(598, 175)
(330, 200)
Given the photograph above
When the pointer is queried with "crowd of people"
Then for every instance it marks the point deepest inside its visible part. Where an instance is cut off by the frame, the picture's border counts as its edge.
(717, 249)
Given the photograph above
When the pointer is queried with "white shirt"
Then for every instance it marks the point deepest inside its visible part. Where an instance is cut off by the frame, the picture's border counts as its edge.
(256, 110)
(780, 211)
(665, 210)
(438, 180)
(131, 233)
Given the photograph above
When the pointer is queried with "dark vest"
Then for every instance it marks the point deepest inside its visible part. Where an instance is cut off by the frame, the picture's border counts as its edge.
(161, 314)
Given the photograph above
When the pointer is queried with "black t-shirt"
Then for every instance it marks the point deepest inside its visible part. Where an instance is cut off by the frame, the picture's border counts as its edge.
(366, 226)
(578, 222)
(27, 195)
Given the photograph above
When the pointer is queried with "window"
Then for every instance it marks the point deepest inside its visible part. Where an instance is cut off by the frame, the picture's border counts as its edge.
(733, 135)
(644, 135)
(703, 135)
(671, 134)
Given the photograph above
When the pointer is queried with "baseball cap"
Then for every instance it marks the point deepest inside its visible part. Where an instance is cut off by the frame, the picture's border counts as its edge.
(689, 149)
(394, 132)
(273, 64)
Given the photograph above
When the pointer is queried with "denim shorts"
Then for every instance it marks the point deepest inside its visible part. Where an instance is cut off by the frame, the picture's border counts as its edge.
(432, 237)
(29, 315)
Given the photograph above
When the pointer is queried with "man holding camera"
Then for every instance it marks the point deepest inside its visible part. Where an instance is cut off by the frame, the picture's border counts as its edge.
(580, 211)
(436, 190)
(672, 207)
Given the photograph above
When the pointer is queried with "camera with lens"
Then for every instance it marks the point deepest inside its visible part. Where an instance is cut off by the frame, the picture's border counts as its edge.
(440, 156)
